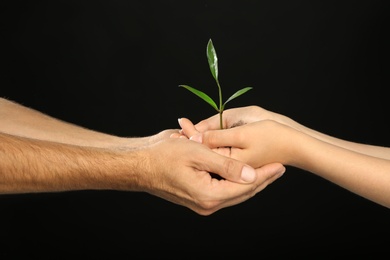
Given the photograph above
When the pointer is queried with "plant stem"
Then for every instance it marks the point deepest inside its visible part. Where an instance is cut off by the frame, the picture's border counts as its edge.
(220, 119)
(220, 105)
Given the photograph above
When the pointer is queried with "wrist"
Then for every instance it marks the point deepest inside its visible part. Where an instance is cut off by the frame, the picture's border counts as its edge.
(128, 143)
(120, 169)
(291, 148)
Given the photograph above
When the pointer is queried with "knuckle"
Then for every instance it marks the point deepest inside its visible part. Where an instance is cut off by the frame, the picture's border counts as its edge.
(209, 138)
(240, 137)
(207, 205)
(230, 169)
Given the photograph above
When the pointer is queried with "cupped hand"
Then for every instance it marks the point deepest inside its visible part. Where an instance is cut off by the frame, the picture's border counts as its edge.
(179, 171)
(257, 144)
(235, 117)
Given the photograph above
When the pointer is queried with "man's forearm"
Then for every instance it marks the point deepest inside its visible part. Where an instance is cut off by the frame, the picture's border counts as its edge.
(22, 121)
(29, 165)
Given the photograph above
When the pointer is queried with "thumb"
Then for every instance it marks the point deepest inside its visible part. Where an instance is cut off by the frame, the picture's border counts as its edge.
(230, 169)
(187, 127)
(270, 172)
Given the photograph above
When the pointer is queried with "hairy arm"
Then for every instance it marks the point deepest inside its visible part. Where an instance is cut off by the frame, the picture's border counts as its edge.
(31, 165)
(39, 153)
(16, 119)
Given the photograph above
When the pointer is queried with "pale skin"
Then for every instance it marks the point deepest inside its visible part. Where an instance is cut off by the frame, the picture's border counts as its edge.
(258, 136)
(39, 153)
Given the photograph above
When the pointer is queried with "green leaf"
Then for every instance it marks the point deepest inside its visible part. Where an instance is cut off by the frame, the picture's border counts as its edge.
(237, 94)
(212, 59)
(202, 95)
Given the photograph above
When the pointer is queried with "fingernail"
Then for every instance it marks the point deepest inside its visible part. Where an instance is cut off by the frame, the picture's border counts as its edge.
(196, 138)
(248, 174)
(281, 172)
(178, 120)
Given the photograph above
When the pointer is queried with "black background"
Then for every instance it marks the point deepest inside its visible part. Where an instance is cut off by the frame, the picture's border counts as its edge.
(115, 66)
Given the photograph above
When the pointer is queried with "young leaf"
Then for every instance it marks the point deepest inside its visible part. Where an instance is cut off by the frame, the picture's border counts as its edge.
(202, 95)
(213, 64)
(238, 93)
(212, 59)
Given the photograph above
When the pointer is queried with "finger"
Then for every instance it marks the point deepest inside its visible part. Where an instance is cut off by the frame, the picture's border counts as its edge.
(175, 135)
(221, 138)
(211, 123)
(267, 174)
(188, 128)
(225, 151)
(178, 135)
(270, 172)
(228, 168)
(232, 193)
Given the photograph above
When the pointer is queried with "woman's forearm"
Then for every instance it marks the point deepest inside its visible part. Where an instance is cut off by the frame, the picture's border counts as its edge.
(362, 174)
(30, 165)
(372, 150)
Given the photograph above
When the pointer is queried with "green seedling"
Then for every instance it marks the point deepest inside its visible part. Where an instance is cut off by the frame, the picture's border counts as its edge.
(213, 63)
